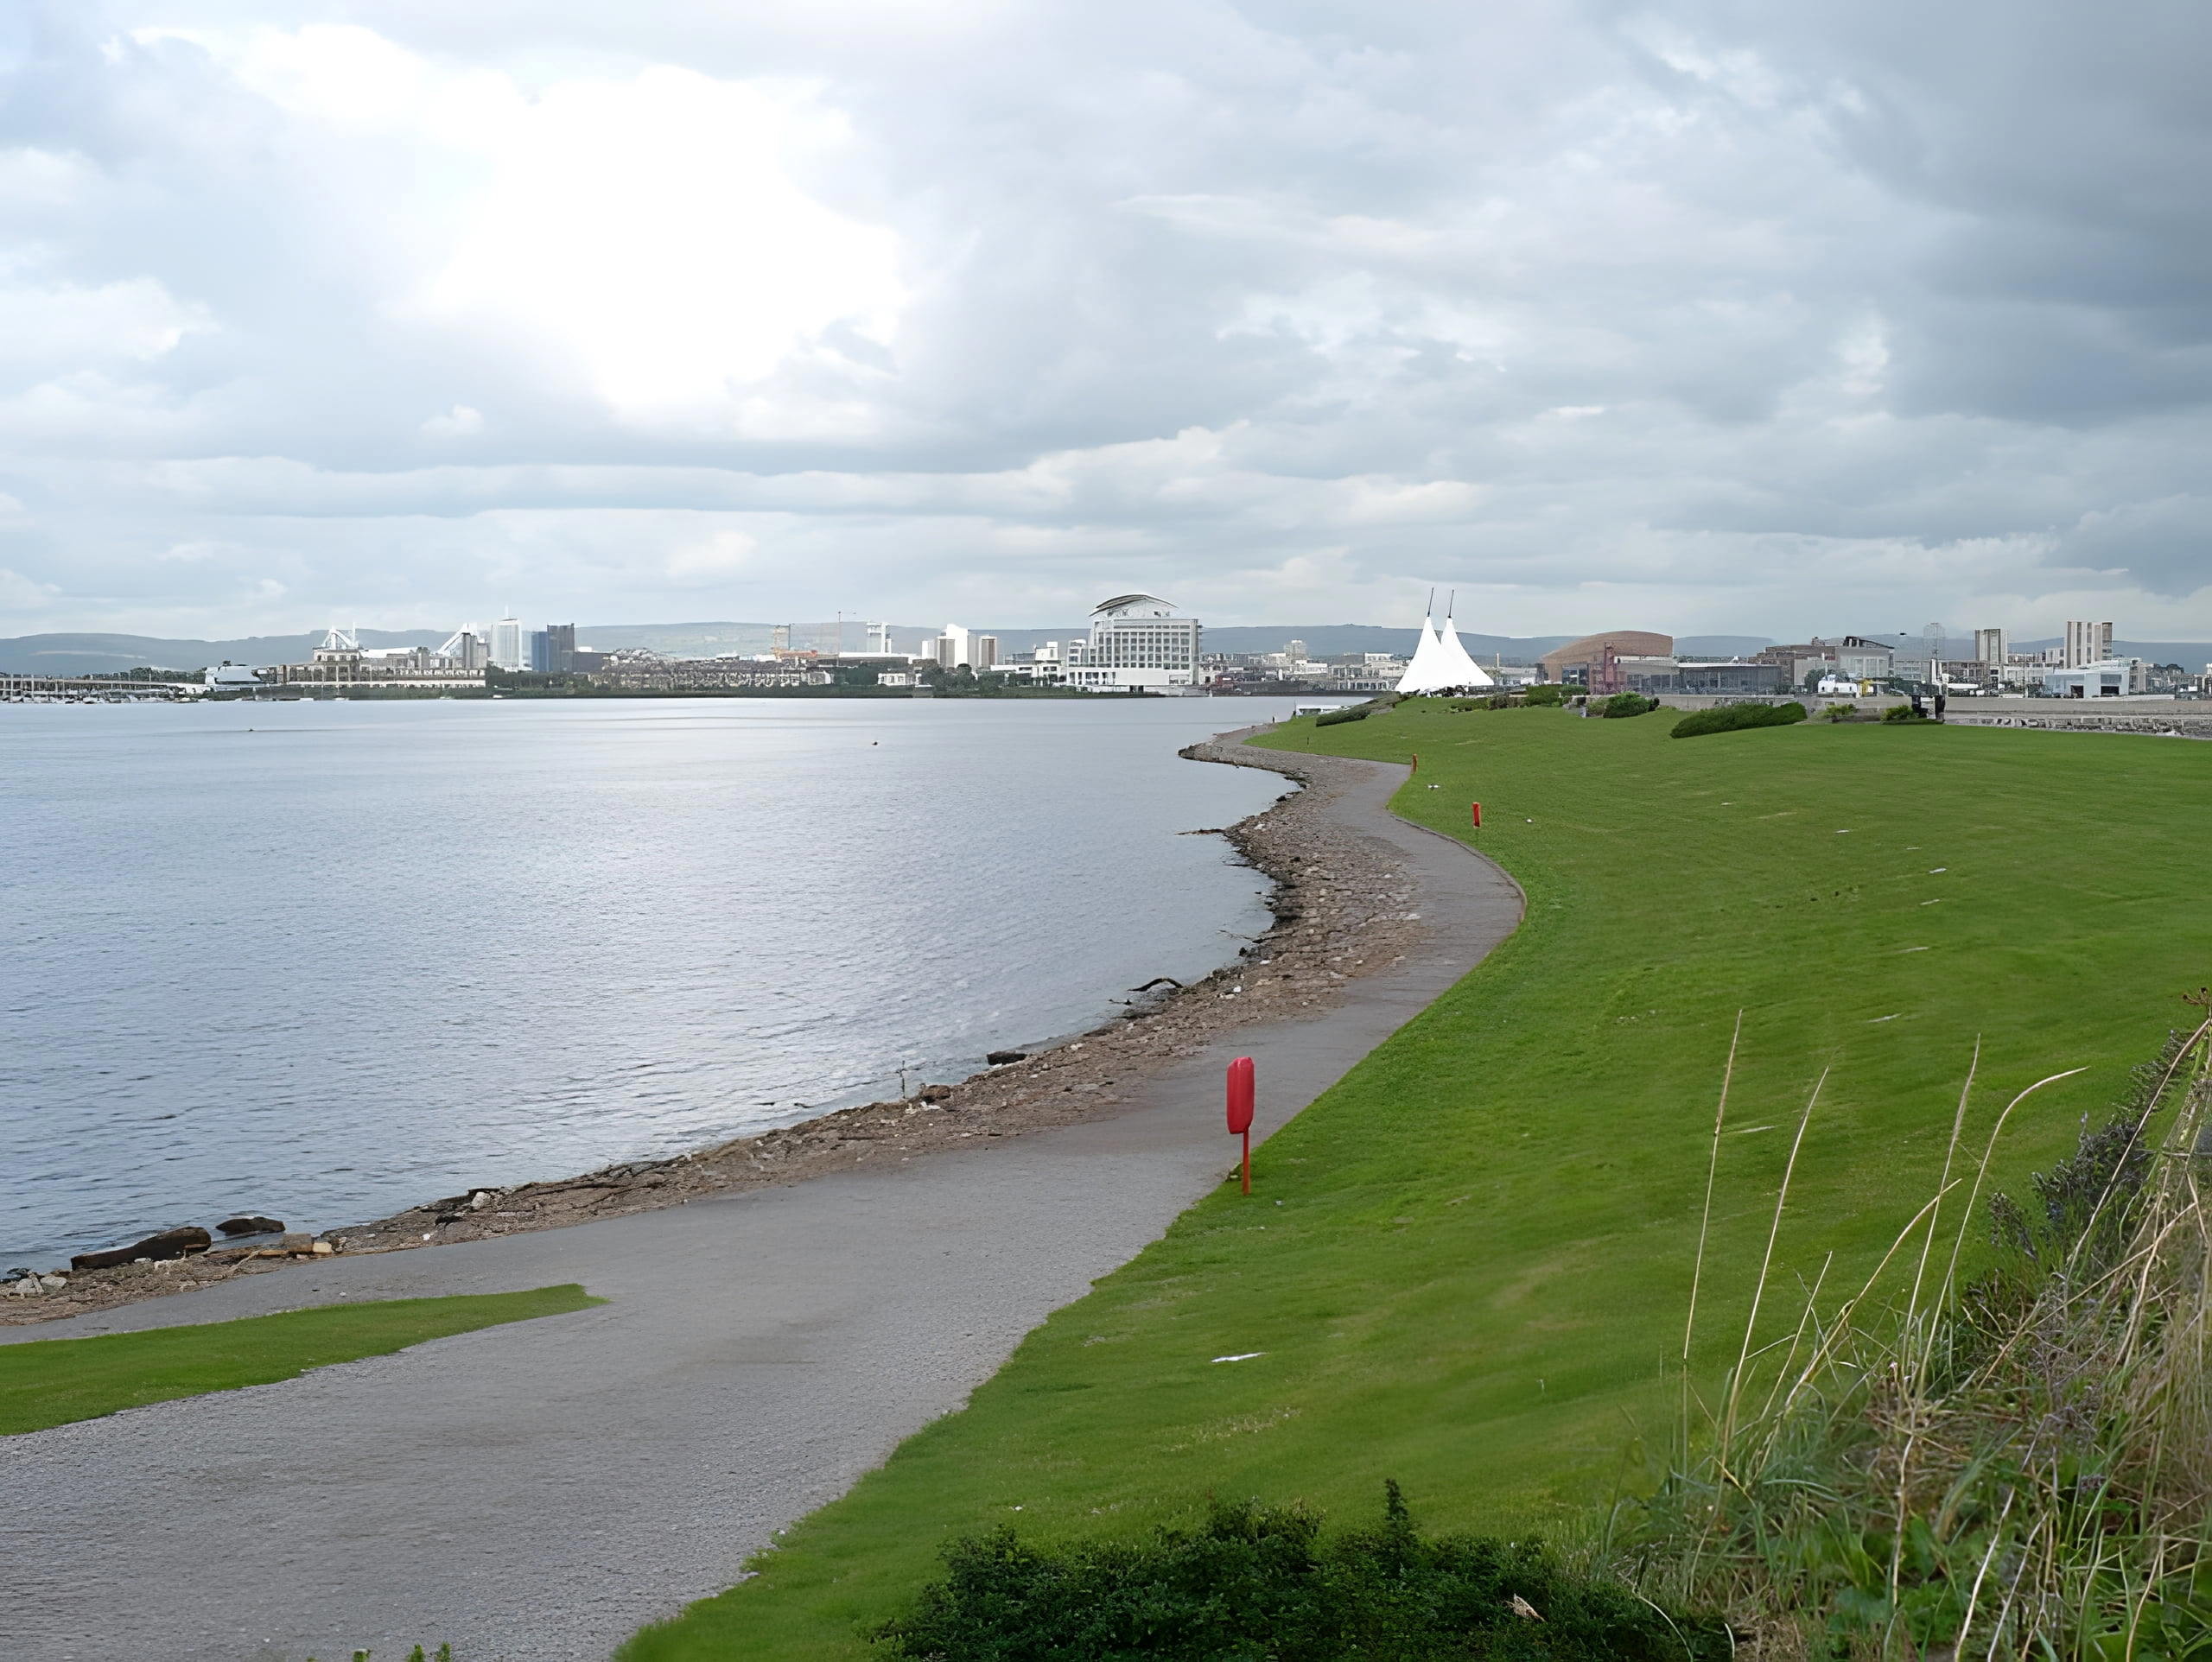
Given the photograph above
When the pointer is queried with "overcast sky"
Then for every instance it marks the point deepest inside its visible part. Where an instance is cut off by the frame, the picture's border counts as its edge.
(1700, 316)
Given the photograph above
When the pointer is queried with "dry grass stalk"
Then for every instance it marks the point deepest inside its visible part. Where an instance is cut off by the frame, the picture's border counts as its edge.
(2017, 1467)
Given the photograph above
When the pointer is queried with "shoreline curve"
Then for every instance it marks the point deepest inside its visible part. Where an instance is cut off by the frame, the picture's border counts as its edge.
(543, 1491)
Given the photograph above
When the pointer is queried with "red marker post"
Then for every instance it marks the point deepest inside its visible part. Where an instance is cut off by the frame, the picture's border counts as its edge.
(1240, 1110)
(1477, 809)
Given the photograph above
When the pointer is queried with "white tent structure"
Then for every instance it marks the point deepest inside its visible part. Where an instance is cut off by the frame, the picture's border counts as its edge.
(1424, 672)
(1440, 664)
(1463, 669)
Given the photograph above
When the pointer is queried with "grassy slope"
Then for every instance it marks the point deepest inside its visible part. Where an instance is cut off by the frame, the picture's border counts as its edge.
(1484, 1244)
(51, 1381)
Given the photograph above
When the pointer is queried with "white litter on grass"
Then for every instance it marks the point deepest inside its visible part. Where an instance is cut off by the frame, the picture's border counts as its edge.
(1245, 1356)
(1880, 1019)
(1936, 870)
(1748, 1130)
(1902, 950)
(1845, 832)
(1931, 902)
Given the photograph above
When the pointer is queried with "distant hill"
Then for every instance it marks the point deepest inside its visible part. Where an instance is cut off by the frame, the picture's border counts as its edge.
(87, 655)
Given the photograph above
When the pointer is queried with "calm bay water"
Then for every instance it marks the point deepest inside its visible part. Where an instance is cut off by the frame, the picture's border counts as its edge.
(327, 961)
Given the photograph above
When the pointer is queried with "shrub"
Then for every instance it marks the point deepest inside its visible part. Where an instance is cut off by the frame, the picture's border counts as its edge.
(1550, 692)
(1902, 713)
(1337, 718)
(1257, 1584)
(1841, 712)
(1625, 704)
(1728, 718)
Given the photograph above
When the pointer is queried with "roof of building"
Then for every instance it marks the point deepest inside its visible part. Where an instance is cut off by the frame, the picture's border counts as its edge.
(1122, 602)
(1625, 643)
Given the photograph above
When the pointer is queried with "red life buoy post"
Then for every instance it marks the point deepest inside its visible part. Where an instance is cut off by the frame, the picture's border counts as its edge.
(1477, 809)
(1240, 1110)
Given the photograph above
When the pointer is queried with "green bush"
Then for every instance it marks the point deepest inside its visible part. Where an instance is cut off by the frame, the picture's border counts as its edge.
(1902, 713)
(1549, 693)
(1841, 712)
(1728, 718)
(1258, 1583)
(1336, 718)
(1624, 704)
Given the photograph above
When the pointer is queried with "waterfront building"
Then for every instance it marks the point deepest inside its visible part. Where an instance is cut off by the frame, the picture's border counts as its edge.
(2087, 644)
(561, 648)
(468, 650)
(1859, 659)
(635, 670)
(1572, 661)
(2106, 678)
(540, 654)
(1991, 647)
(509, 649)
(1137, 643)
(341, 662)
(956, 646)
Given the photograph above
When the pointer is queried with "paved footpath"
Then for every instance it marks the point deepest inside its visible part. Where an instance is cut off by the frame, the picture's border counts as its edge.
(536, 1493)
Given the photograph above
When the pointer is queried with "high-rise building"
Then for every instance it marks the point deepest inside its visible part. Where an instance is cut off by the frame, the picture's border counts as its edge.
(2087, 643)
(1294, 651)
(1136, 642)
(1991, 646)
(982, 652)
(561, 648)
(509, 649)
(538, 653)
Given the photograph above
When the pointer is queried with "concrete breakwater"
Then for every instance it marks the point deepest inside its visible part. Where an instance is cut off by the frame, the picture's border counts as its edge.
(1343, 908)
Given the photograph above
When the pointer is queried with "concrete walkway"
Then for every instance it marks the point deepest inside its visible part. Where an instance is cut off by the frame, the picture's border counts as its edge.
(538, 1492)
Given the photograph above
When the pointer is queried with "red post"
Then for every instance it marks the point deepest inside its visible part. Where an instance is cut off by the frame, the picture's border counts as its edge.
(1478, 815)
(1416, 767)
(1240, 1110)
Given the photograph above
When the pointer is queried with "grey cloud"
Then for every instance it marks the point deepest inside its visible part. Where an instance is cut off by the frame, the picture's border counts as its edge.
(1761, 316)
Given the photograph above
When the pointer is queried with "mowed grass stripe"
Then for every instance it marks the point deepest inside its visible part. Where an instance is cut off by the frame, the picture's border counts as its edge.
(47, 1382)
(1480, 1265)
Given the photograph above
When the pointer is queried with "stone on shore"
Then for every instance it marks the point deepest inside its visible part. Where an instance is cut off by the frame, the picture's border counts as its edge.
(249, 1223)
(170, 1243)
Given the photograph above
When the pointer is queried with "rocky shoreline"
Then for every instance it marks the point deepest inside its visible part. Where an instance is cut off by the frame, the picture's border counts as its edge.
(1339, 902)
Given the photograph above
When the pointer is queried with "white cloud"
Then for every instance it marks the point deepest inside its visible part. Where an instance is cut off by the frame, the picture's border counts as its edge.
(714, 559)
(651, 230)
(20, 593)
(460, 422)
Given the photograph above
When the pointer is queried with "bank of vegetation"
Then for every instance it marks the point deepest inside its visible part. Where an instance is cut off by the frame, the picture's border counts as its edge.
(1469, 1264)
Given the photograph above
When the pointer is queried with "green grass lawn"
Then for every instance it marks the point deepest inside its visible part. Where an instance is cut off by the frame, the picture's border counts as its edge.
(1478, 1268)
(51, 1381)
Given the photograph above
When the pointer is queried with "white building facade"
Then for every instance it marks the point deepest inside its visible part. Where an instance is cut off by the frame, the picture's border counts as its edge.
(2110, 678)
(1137, 643)
(509, 649)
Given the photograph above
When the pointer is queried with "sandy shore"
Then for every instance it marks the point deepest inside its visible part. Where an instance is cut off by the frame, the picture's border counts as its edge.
(1341, 904)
